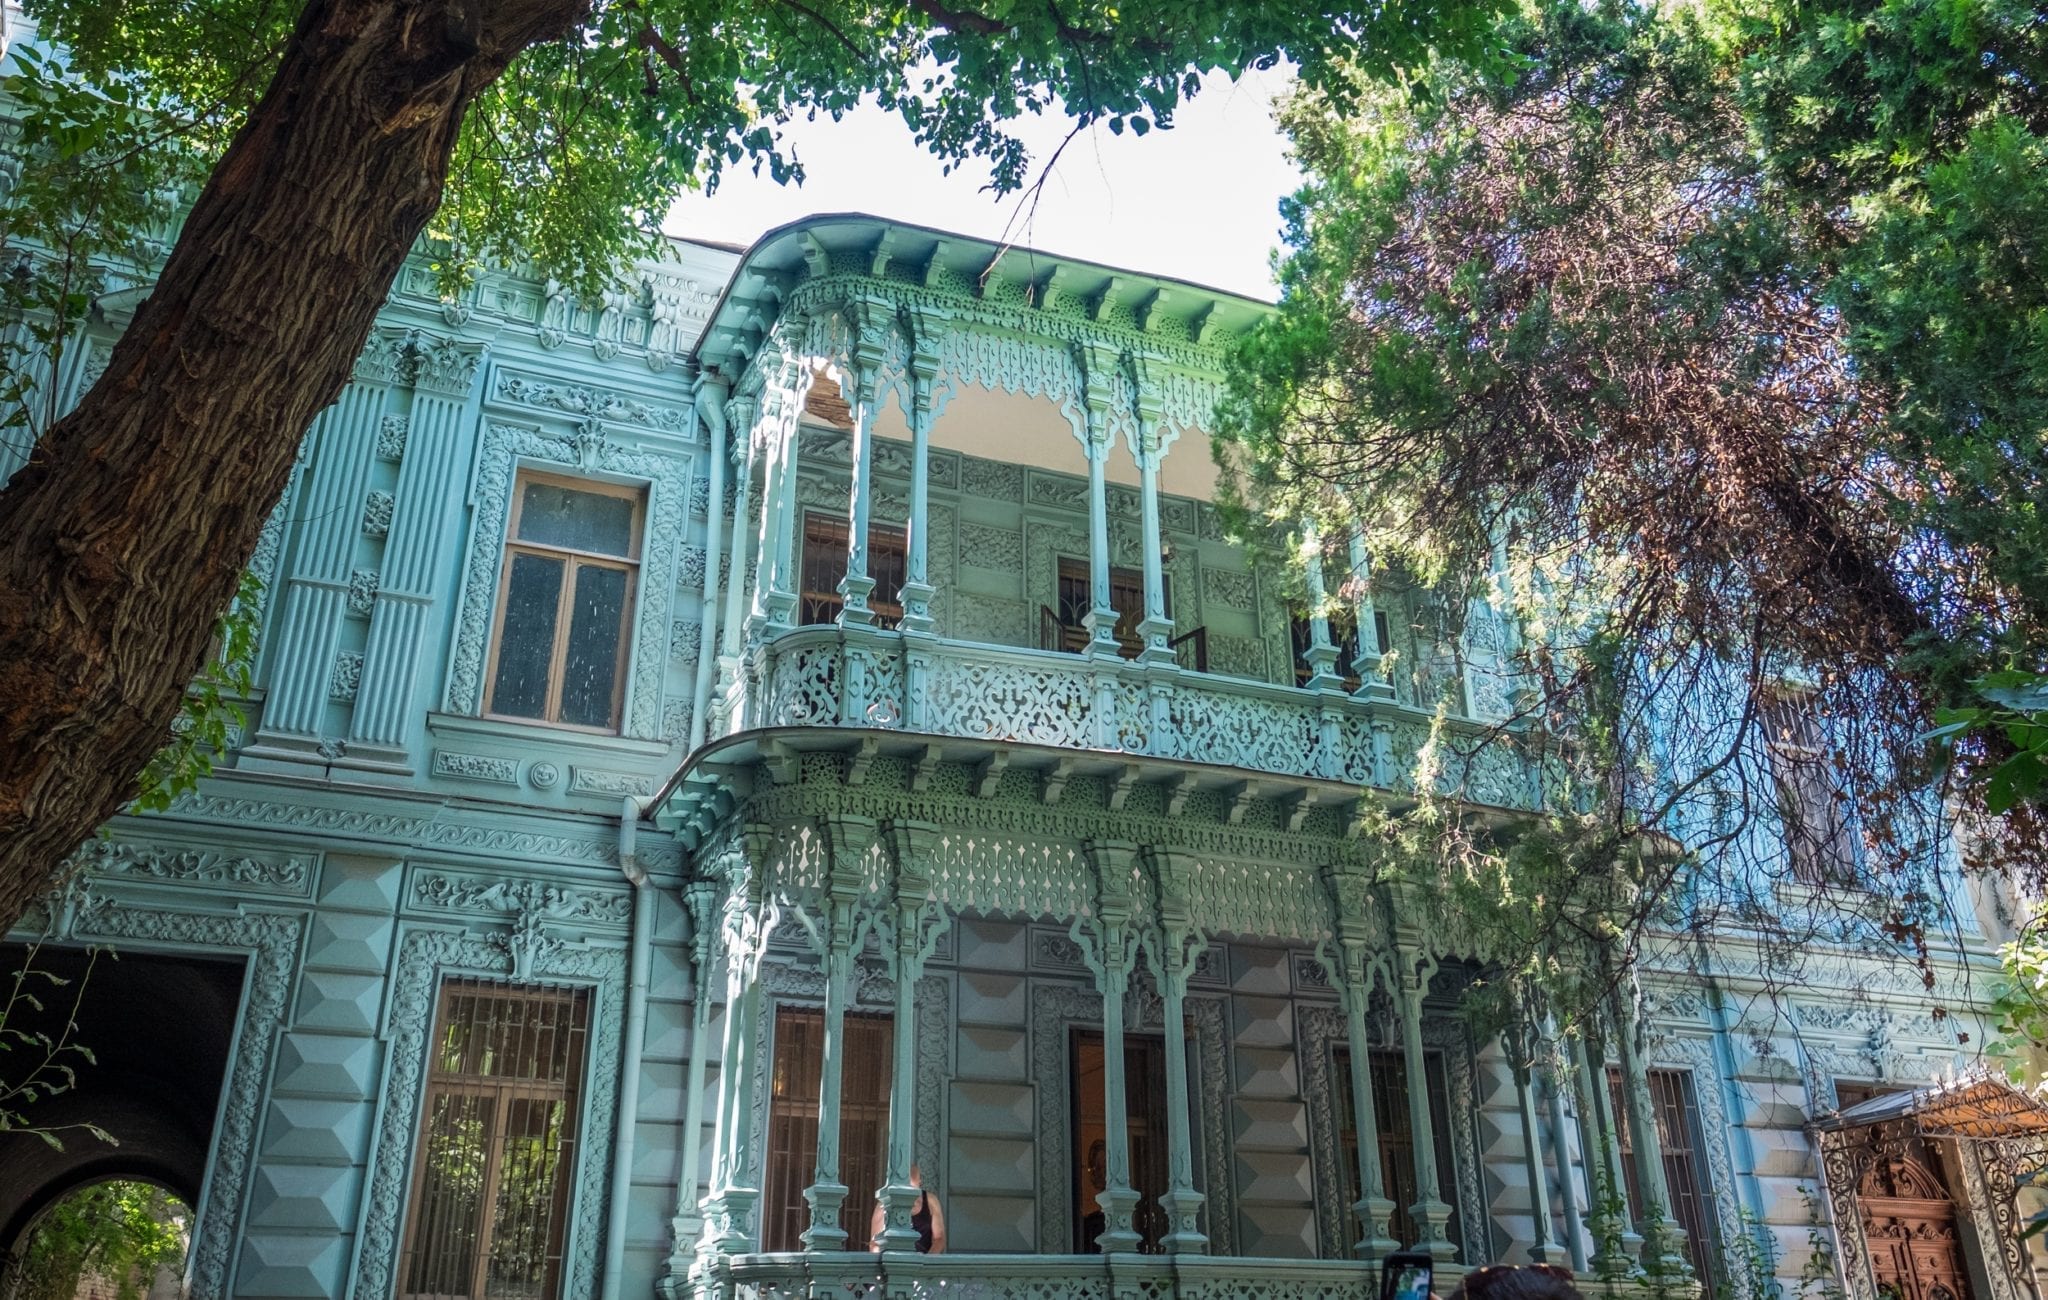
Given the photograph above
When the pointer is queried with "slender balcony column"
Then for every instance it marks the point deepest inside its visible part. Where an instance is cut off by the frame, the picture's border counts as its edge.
(1519, 1042)
(739, 417)
(749, 918)
(1157, 629)
(858, 584)
(1351, 892)
(1110, 948)
(1101, 617)
(838, 943)
(919, 923)
(1613, 1242)
(928, 332)
(782, 599)
(769, 449)
(1321, 656)
(1560, 1153)
(702, 900)
(1174, 951)
(1664, 1254)
(1370, 665)
(710, 411)
(1431, 1215)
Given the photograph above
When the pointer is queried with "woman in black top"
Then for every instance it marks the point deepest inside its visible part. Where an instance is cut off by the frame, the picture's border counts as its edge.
(925, 1217)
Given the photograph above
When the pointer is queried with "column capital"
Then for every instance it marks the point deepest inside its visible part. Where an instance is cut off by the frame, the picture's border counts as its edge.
(911, 845)
(850, 838)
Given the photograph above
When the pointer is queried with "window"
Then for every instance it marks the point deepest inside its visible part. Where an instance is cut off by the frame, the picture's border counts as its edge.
(793, 1124)
(565, 600)
(1145, 1121)
(1685, 1174)
(1064, 629)
(1396, 1136)
(1344, 635)
(497, 1152)
(1812, 805)
(824, 568)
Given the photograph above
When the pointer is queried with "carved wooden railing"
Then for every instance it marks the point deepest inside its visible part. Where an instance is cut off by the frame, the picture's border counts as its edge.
(825, 677)
(1046, 1277)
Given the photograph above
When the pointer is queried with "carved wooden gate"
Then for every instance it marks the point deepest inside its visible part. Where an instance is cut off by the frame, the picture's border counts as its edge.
(1909, 1222)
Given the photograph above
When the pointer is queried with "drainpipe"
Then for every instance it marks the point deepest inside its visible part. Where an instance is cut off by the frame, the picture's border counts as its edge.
(639, 962)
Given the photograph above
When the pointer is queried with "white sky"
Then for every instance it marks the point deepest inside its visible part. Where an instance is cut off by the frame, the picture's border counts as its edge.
(1198, 202)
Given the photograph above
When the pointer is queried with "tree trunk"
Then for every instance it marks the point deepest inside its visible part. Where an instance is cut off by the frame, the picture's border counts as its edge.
(123, 538)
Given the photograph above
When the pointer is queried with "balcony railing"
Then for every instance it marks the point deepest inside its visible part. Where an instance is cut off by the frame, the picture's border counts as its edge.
(824, 677)
(1049, 1277)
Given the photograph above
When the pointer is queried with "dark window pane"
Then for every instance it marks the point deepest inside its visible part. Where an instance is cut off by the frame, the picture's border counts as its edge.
(587, 521)
(591, 670)
(526, 638)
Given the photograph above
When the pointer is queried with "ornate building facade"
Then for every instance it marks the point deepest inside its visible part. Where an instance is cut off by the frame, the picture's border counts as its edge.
(791, 744)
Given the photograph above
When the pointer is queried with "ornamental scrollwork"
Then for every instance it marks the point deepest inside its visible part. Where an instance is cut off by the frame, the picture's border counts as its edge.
(505, 446)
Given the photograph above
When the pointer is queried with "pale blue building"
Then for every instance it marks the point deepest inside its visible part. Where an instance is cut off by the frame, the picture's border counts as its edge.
(790, 744)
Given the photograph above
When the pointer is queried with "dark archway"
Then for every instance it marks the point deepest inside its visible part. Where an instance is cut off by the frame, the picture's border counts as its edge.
(160, 1028)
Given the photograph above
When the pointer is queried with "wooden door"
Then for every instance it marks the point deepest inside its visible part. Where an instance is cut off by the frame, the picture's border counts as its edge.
(1910, 1224)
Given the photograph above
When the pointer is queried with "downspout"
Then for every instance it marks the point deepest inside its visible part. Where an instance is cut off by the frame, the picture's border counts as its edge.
(640, 960)
(710, 408)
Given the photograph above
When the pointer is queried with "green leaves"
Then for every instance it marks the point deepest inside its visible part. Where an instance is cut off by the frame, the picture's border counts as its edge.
(2011, 729)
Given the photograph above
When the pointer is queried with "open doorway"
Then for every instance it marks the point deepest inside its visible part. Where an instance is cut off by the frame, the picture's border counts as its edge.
(120, 1239)
(159, 1029)
(1145, 1115)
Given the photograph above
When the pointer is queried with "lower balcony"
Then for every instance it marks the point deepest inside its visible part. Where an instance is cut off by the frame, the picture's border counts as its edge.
(877, 680)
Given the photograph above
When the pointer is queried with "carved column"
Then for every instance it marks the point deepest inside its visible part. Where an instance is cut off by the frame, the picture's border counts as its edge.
(858, 585)
(1173, 952)
(749, 917)
(786, 383)
(1613, 1243)
(924, 369)
(782, 598)
(1321, 655)
(315, 597)
(838, 943)
(710, 412)
(1431, 1214)
(1110, 949)
(919, 923)
(1157, 628)
(1370, 665)
(1560, 1153)
(701, 898)
(1350, 892)
(1097, 366)
(430, 473)
(739, 417)
(1664, 1254)
(1520, 1042)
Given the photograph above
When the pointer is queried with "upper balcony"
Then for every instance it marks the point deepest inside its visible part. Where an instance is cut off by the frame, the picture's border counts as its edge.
(975, 499)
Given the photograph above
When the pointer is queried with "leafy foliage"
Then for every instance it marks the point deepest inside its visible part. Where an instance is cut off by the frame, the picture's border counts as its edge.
(36, 1064)
(117, 1232)
(568, 160)
(1662, 333)
(211, 708)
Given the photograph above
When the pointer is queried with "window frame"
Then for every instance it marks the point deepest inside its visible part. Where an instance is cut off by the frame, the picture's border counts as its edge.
(573, 561)
(1068, 569)
(883, 539)
(1692, 1206)
(787, 1169)
(1808, 787)
(1392, 1115)
(571, 1090)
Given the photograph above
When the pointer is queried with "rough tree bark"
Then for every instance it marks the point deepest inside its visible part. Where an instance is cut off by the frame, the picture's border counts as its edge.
(123, 538)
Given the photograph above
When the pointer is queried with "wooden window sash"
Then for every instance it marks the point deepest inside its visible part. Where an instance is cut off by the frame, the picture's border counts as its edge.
(498, 1090)
(824, 535)
(573, 562)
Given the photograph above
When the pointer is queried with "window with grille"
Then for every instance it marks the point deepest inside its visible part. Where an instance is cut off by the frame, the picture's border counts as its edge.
(1064, 628)
(1396, 1136)
(1685, 1173)
(1813, 807)
(824, 568)
(793, 1123)
(498, 1143)
(565, 602)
